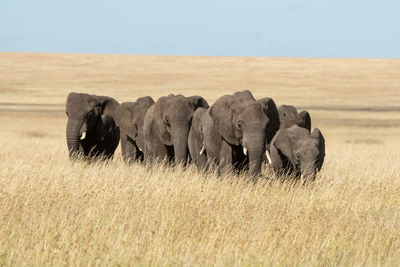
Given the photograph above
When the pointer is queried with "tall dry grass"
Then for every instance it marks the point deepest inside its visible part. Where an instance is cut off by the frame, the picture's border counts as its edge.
(57, 212)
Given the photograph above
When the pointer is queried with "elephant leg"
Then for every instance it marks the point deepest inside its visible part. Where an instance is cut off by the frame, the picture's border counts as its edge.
(155, 151)
(225, 162)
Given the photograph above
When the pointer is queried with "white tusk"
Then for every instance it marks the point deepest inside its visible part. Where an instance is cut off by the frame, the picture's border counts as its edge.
(140, 149)
(83, 136)
(245, 150)
(202, 150)
(302, 176)
(268, 156)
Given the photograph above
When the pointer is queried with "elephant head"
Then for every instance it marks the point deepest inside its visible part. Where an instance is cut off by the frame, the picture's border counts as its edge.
(297, 150)
(242, 122)
(173, 115)
(129, 116)
(288, 116)
(90, 121)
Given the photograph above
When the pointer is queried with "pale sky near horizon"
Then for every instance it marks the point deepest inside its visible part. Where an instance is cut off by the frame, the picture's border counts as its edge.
(292, 28)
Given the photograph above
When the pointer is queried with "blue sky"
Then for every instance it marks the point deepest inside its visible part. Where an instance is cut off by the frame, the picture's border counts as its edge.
(308, 28)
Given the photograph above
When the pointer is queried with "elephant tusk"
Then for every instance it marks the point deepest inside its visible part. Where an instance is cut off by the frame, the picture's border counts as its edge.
(202, 150)
(140, 149)
(302, 176)
(83, 136)
(245, 150)
(268, 156)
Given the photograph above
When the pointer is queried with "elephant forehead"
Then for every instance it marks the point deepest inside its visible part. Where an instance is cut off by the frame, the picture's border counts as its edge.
(287, 109)
(179, 109)
(253, 110)
(307, 146)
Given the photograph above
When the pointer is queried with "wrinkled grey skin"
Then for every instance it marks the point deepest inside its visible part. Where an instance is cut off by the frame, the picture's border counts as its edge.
(289, 116)
(95, 116)
(232, 123)
(129, 117)
(296, 151)
(204, 133)
(166, 127)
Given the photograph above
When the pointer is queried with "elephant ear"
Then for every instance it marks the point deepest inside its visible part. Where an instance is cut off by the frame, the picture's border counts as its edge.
(197, 102)
(107, 107)
(221, 114)
(124, 119)
(283, 143)
(305, 120)
(272, 113)
(159, 118)
(321, 146)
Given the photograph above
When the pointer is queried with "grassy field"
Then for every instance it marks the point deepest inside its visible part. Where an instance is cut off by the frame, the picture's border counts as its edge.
(54, 212)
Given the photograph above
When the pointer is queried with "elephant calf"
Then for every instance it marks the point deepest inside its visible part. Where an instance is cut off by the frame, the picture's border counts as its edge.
(130, 119)
(166, 127)
(297, 151)
(91, 129)
(289, 116)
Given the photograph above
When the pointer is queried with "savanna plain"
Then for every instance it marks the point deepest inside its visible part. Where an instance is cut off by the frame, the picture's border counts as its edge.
(57, 212)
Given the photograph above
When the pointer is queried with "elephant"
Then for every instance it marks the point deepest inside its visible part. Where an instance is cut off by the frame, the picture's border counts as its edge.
(233, 132)
(129, 117)
(204, 140)
(166, 127)
(297, 151)
(91, 130)
(288, 116)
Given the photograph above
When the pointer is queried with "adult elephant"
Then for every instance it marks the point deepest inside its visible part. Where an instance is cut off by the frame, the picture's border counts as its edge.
(166, 127)
(205, 140)
(129, 117)
(234, 132)
(295, 150)
(91, 129)
(289, 116)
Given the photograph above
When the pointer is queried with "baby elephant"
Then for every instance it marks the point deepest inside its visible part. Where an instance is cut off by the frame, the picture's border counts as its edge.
(288, 116)
(297, 151)
(129, 116)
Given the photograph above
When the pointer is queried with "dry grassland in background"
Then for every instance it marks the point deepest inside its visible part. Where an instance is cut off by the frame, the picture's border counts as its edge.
(54, 212)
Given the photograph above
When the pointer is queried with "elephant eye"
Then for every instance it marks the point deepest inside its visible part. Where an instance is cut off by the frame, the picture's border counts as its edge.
(166, 121)
(240, 124)
(284, 114)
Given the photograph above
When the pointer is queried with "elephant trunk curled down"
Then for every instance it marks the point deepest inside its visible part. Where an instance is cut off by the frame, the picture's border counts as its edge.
(74, 134)
(179, 136)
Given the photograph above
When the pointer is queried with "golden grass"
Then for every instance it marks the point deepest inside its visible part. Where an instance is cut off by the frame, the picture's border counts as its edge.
(54, 212)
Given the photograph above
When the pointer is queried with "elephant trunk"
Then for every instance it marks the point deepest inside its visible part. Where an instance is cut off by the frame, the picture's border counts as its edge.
(73, 138)
(308, 171)
(256, 150)
(180, 142)
(255, 159)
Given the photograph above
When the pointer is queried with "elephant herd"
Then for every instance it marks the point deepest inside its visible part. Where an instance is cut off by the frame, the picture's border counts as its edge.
(236, 132)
